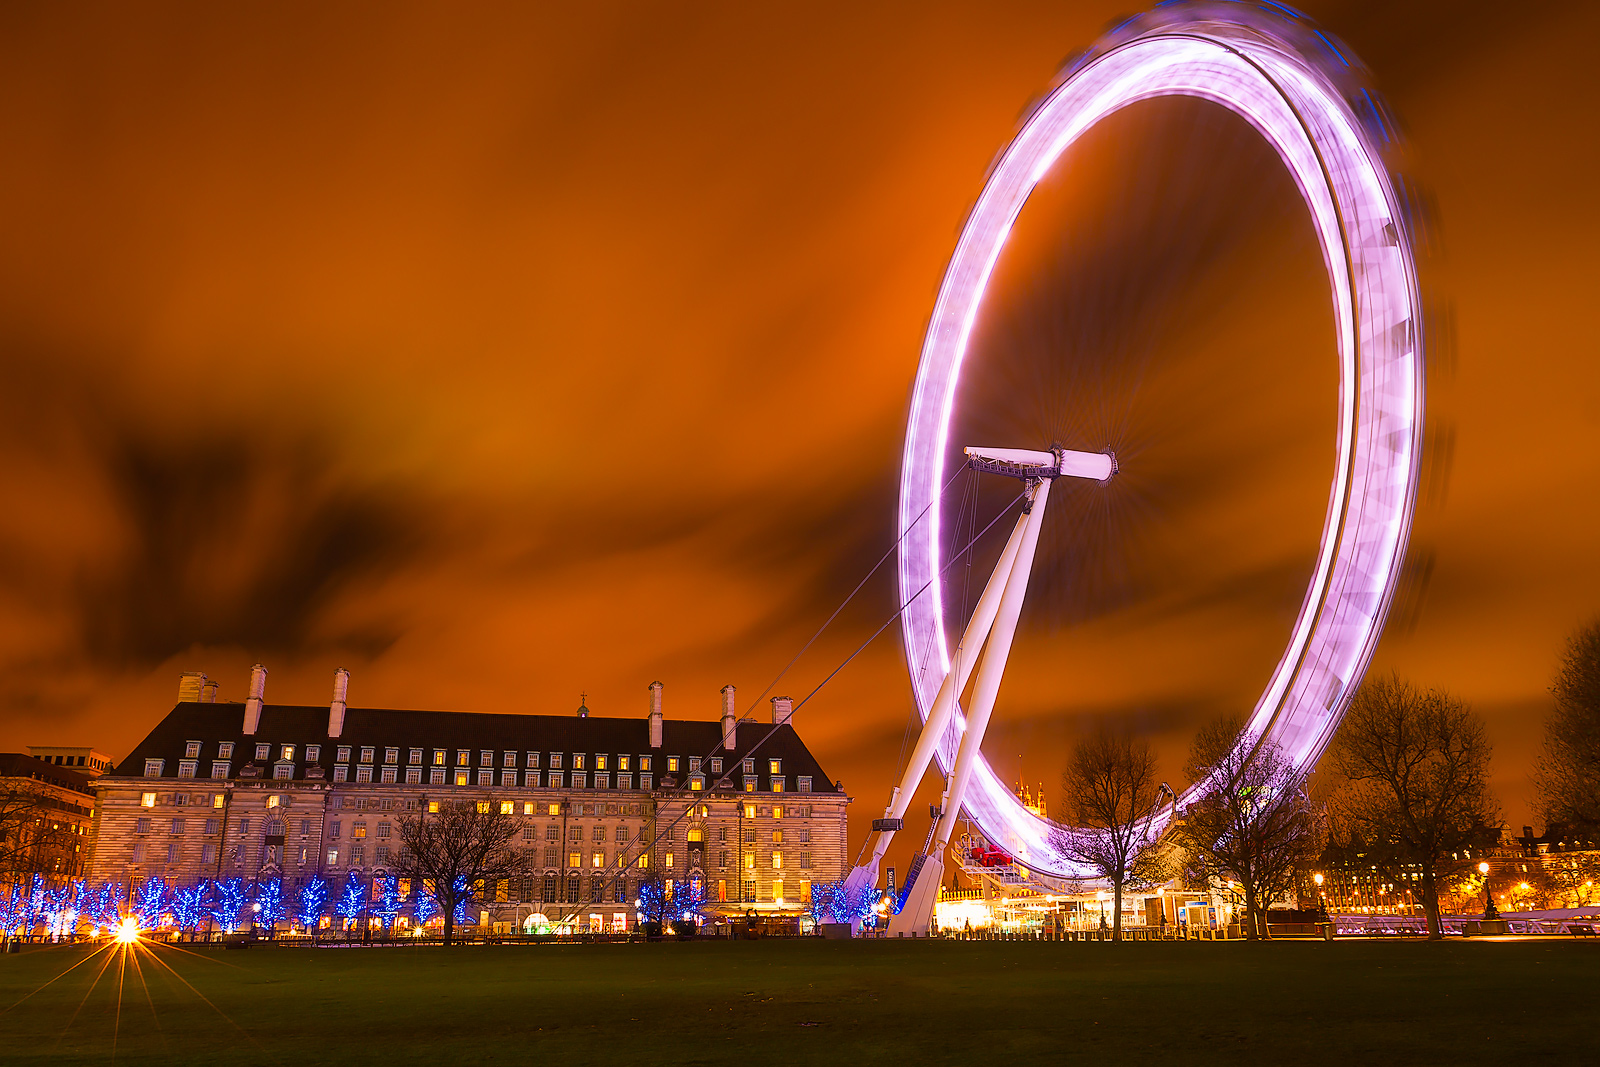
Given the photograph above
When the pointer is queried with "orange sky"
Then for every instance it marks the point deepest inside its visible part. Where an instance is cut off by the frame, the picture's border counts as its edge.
(510, 357)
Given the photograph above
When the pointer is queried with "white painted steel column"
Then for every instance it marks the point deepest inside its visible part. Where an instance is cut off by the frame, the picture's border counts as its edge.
(987, 687)
(955, 681)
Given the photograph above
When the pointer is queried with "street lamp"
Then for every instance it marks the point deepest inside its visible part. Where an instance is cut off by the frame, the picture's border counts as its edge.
(1488, 902)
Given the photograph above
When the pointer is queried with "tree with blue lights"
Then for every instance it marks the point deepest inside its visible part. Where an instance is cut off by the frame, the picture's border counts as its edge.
(11, 912)
(269, 906)
(465, 894)
(311, 902)
(189, 907)
(103, 905)
(352, 899)
(388, 907)
(227, 901)
(837, 902)
(424, 905)
(149, 900)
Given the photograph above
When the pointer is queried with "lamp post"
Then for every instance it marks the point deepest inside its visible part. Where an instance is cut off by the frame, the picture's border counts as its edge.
(1489, 911)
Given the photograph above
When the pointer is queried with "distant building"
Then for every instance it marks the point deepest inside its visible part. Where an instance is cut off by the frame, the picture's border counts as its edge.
(46, 816)
(258, 790)
(87, 760)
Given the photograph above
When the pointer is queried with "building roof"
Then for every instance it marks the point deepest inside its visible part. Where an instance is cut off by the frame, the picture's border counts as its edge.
(299, 725)
(20, 765)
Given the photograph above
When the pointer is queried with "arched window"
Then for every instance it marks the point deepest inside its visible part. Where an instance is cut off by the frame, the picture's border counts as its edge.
(549, 894)
(696, 836)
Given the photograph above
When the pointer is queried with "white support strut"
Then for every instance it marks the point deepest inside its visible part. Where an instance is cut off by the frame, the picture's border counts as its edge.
(989, 632)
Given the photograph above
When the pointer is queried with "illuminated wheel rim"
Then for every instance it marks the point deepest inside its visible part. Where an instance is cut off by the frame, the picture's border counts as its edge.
(1299, 92)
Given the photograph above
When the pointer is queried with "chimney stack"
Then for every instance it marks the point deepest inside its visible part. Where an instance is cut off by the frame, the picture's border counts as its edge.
(655, 714)
(258, 694)
(208, 693)
(782, 710)
(341, 688)
(729, 719)
(189, 685)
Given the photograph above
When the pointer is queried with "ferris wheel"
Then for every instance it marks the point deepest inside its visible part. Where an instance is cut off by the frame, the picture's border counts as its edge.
(1305, 96)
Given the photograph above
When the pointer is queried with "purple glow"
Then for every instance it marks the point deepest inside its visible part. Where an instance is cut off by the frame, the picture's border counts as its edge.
(1298, 107)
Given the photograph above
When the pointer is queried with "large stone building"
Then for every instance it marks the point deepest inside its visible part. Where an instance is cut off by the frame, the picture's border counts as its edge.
(259, 791)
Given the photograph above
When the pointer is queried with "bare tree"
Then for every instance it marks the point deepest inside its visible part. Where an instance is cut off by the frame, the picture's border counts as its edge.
(458, 847)
(32, 839)
(1110, 786)
(1415, 795)
(1253, 827)
(1567, 775)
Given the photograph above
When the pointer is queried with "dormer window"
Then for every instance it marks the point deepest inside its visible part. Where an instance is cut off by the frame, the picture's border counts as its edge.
(600, 763)
(415, 756)
(623, 763)
(286, 752)
(577, 761)
(313, 753)
(342, 755)
(644, 764)
(694, 764)
(263, 751)
(391, 755)
(366, 753)
(486, 758)
(749, 766)
(225, 750)
(774, 766)
(508, 759)
(191, 750)
(716, 765)
(672, 764)
(555, 759)
(438, 757)
(533, 759)
(463, 757)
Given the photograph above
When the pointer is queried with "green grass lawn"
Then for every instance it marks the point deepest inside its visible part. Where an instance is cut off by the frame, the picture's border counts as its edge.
(774, 1003)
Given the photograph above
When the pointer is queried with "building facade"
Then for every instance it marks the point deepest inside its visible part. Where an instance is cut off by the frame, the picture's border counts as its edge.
(46, 820)
(740, 810)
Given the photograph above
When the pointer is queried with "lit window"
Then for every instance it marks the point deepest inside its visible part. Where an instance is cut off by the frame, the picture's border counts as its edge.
(623, 763)
(774, 766)
(555, 809)
(225, 750)
(777, 892)
(598, 859)
(777, 813)
(750, 783)
(438, 757)
(191, 749)
(358, 829)
(152, 768)
(697, 783)
(749, 811)
(777, 837)
(749, 861)
(644, 763)
(600, 763)
(461, 778)
(527, 807)
(147, 800)
(433, 807)
(507, 807)
(577, 761)
(777, 861)
(644, 860)
(463, 757)
(218, 799)
(777, 784)
(672, 764)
